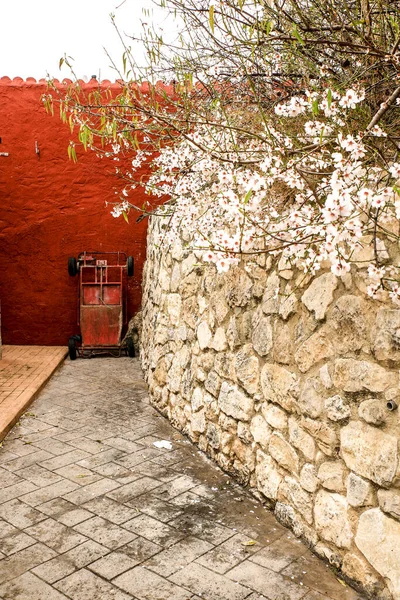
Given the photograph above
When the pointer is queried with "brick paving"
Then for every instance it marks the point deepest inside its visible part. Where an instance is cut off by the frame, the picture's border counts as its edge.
(90, 509)
(23, 371)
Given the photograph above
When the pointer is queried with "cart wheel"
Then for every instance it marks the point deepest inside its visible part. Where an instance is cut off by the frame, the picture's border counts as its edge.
(72, 266)
(130, 347)
(72, 348)
(129, 266)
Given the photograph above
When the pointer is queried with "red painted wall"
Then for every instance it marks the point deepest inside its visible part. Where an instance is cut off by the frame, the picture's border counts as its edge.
(50, 209)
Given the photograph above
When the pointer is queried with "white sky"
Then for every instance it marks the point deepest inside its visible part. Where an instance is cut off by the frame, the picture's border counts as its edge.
(35, 34)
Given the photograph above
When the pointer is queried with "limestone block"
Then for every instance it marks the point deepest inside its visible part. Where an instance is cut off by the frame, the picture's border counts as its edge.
(378, 538)
(270, 301)
(260, 431)
(369, 452)
(213, 435)
(235, 403)
(291, 491)
(247, 369)
(174, 305)
(262, 337)
(224, 365)
(204, 335)
(275, 416)
(301, 440)
(189, 286)
(358, 569)
(288, 303)
(268, 476)
(219, 342)
(161, 371)
(359, 491)
(319, 295)
(219, 306)
(332, 475)
(244, 433)
(308, 478)
(337, 408)
(175, 277)
(244, 453)
(279, 385)
(372, 411)
(349, 320)
(389, 502)
(325, 436)
(331, 519)
(283, 343)
(227, 423)
(238, 287)
(325, 377)
(283, 453)
(285, 268)
(353, 375)
(213, 383)
(310, 401)
(317, 347)
(197, 399)
(387, 335)
(232, 334)
(198, 421)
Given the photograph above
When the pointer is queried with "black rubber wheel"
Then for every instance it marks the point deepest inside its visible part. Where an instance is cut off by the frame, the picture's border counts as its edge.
(72, 348)
(72, 266)
(129, 266)
(130, 347)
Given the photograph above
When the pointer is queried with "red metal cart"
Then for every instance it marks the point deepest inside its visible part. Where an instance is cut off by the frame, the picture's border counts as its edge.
(102, 308)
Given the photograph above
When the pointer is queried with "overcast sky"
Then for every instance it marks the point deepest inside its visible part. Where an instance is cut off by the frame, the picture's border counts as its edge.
(35, 34)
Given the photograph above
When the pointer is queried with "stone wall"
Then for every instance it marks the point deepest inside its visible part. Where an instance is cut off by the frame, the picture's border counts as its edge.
(284, 381)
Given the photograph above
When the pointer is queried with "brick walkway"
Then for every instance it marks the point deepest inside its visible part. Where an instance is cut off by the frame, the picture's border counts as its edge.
(23, 371)
(90, 509)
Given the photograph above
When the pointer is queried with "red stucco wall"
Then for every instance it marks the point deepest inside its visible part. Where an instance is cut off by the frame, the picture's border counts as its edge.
(50, 209)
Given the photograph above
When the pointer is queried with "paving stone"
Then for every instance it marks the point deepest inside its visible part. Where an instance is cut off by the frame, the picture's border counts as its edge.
(124, 445)
(55, 535)
(111, 510)
(84, 585)
(137, 458)
(78, 474)
(49, 492)
(88, 492)
(117, 472)
(105, 533)
(20, 514)
(87, 445)
(55, 507)
(154, 530)
(26, 461)
(29, 587)
(13, 566)
(176, 487)
(145, 585)
(39, 475)
(315, 574)
(178, 556)
(101, 458)
(113, 565)
(279, 554)
(203, 528)
(11, 542)
(136, 488)
(228, 554)
(59, 567)
(141, 549)
(267, 582)
(210, 585)
(18, 489)
(64, 459)
(154, 507)
(73, 517)
(53, 446)
(7, 478)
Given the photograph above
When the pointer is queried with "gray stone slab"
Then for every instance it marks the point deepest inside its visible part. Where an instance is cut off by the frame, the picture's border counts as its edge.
(84, 585)
(154, 530)
(105, 533)
(20, 514)
(55, 535)
(13, 566)
(178, 556)
(210, 585)
(146, 585)
(29, 587)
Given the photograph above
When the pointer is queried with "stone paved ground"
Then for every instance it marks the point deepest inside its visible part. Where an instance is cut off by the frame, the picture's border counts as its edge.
(90, 509)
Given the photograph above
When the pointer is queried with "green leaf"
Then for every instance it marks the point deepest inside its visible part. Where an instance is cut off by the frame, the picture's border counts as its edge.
(248, 196)
(60, 64)
(211, 17)
(315, 108)
(329, 97)
(125, 216)
(296, 34)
